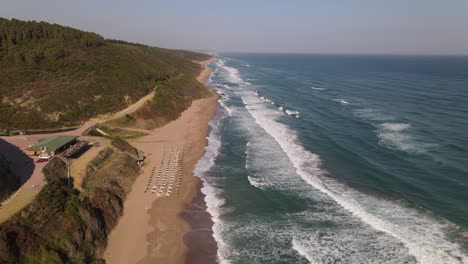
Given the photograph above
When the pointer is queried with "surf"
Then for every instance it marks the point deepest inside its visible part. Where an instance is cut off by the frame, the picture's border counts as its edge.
(213, 198)
(407, 225)
(395, 228)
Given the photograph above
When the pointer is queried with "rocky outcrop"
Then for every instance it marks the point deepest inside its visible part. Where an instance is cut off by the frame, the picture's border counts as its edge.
(8, 181)
(65, 226)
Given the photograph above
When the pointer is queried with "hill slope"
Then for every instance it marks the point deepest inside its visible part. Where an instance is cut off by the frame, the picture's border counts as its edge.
(8, 181)
(63, 225)
(54, 76)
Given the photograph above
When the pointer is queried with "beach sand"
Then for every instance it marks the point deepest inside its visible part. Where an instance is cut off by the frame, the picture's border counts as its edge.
(152, 228)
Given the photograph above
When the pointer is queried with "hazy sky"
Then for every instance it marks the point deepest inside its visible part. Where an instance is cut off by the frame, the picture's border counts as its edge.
(315, 26)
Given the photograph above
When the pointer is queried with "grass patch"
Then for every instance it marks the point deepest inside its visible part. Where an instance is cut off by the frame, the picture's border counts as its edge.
(116, 133)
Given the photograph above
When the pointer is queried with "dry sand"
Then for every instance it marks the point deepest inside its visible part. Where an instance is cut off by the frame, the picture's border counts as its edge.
(205, 73)
(152, 229)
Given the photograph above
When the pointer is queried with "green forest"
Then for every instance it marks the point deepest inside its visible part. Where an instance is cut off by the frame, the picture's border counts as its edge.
(55, 76)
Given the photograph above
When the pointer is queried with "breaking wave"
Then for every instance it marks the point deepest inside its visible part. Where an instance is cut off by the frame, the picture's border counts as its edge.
(341, 101)
(318, 88)
(421, 234)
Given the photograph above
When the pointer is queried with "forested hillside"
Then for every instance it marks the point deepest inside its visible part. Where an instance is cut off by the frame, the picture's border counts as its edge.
(55, 76)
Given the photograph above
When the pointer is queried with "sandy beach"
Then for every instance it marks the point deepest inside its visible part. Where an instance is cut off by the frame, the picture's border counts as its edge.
(152, 229)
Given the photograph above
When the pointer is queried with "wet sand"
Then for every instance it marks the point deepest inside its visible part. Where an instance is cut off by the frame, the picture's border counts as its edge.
(152, 229)
(199, 240)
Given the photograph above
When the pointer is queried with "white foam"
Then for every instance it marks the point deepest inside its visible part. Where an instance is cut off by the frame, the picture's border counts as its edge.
(256, 182)
(317, 88)
(292, 113)
(233, 75)
(220, 62)
(301, 250)
(402, 142)
(422, 235)
(341, 101)
(350, 238)
(373, 115)
(390, 136)
(212, 196)
(227, 108)
(395, 126)
(266, 99)
(281, 108)
(213, 73)
(396, 136)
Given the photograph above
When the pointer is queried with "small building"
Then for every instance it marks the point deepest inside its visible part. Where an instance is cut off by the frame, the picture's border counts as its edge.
(52, 145)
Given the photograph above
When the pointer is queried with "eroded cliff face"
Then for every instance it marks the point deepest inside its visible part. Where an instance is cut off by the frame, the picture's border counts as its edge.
(65, 226)
(8, 181)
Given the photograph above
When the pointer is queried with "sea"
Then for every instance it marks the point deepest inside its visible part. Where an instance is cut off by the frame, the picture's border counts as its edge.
(338, 159)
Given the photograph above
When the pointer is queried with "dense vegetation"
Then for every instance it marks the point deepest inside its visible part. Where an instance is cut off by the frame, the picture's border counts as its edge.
(56, 76)
(172, 98)
(63, 225)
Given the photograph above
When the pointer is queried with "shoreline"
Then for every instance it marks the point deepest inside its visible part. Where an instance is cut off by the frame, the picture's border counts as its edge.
(202, 247)
(153, 228)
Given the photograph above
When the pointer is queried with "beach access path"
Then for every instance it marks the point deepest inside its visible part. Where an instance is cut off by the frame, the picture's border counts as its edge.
(127, 111)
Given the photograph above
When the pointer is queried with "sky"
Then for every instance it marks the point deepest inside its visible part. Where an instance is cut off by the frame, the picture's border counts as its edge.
(287, 26)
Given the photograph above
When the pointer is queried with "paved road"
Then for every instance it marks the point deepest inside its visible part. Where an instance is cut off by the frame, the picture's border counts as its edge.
(24, 166)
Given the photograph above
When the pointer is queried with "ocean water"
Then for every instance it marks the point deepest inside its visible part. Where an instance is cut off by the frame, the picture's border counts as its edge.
(339, 159)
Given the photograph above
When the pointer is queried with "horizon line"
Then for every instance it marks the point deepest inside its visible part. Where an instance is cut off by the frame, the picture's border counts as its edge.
(339, 53)
(244, 52)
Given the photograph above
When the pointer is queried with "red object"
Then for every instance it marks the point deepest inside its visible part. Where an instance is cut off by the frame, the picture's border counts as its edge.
(41, 160)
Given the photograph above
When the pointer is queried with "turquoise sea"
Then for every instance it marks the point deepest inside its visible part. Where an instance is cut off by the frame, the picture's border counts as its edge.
(339, 159)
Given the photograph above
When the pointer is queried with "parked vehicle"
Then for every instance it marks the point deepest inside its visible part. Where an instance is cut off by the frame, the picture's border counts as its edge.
(46, 156)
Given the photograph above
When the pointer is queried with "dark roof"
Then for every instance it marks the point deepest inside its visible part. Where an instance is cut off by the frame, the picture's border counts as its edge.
(53, 143)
